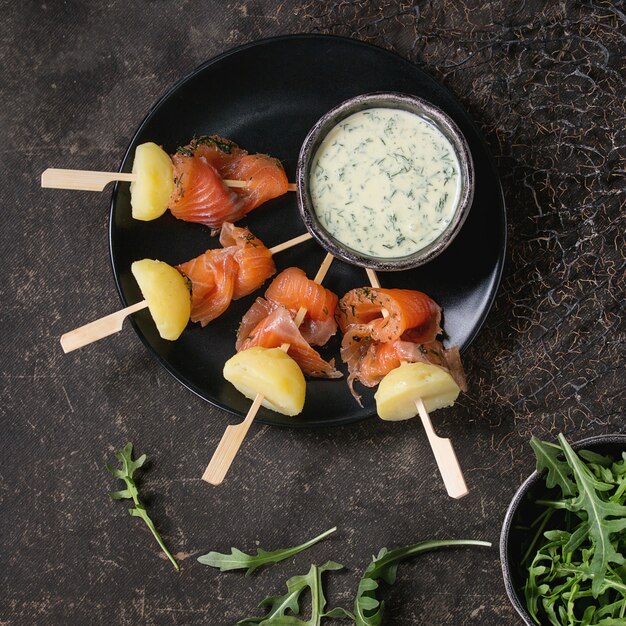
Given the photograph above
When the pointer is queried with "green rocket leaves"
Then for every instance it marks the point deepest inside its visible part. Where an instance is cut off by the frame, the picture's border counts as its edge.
(577, 568)
(125, 473)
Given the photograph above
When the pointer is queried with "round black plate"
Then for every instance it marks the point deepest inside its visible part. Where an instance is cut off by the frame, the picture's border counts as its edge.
(266, 96)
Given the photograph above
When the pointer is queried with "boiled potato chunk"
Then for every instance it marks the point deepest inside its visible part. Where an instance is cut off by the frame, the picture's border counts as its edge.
(271, 372)
(167, 295)
(397, 392)
(150, 192)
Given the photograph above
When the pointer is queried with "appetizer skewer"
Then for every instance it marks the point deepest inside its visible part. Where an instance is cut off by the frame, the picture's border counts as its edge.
(402, 394)
(209, 181)
(166, 295)
(235, 434)
(373, 345)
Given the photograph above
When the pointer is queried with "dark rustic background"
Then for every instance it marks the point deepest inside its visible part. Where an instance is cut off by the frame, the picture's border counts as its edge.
(545, 82)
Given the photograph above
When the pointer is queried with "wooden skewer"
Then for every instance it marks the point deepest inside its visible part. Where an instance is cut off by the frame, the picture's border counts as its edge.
(290, 243)
(442, 448)
(445, 456)
(85, 180)
(99, 329)
(244, 183)
(234, 434)
(111, 324)
(374, 282)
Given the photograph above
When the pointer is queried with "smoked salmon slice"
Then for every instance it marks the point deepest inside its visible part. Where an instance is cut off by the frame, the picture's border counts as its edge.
(254, 260)
(279, 328)
(224, 274)
(264, 175)
(218, 151)
(408, 310)
(200, 195)
(293, 290)
(315, 332)
(374, 344)
(253, 317)
(318, 332)
(207, 304)
(199, 192)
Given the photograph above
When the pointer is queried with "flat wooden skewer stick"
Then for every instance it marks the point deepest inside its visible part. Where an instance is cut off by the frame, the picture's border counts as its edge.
(445, 456)
(234, 434)
(111, 324)
(86, 180)
(99, 329)
(442, 448)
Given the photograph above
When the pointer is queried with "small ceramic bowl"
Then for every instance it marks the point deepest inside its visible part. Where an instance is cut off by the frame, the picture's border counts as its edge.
(523, 510)
(390, 100)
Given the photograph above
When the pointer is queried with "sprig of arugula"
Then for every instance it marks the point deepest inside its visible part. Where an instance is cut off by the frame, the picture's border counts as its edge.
(368, 610)
(125, 473)
(558, 471)
(251, 562)
(285, 610)
(577, 568)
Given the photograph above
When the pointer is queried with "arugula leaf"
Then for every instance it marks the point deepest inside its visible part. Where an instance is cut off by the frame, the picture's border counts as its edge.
(131, 492)
(559, 471)
(595, 458)
(251, 562)
(279, 605)
(368, 610)
(598, 511)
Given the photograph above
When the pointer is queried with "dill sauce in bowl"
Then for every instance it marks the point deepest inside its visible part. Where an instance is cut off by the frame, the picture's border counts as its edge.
(385, 181)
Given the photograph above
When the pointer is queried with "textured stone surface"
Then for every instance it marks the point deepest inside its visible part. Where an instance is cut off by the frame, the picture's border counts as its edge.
(544, 80)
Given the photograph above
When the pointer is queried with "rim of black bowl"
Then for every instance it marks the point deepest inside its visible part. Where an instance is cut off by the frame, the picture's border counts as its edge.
(513, 594)
(406, 102)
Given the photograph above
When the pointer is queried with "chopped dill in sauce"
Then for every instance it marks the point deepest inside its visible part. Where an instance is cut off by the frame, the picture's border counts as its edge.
(385, 182)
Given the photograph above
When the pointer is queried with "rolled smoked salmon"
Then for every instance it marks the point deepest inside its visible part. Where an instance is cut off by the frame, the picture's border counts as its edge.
(199, 192)
(200, 195)
(293, 290)
(224, 274)
(374, 344)
(370, 362)
(408, 310)
(260, 309)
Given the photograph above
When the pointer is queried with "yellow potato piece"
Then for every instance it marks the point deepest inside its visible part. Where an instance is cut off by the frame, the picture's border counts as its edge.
(271, 372)
(150, 192)
(167, 295)
(397, 392)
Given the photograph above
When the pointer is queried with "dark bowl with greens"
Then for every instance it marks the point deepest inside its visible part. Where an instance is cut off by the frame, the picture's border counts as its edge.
(563, 541)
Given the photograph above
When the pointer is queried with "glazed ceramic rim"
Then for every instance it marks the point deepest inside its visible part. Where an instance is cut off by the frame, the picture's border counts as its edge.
(513, 508)
(390, 100)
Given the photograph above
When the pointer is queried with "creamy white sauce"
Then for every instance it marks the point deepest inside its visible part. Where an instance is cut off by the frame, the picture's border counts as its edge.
(385, 182)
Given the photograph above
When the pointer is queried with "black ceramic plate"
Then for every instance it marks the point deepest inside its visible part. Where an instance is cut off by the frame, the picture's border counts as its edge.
(266, 96)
